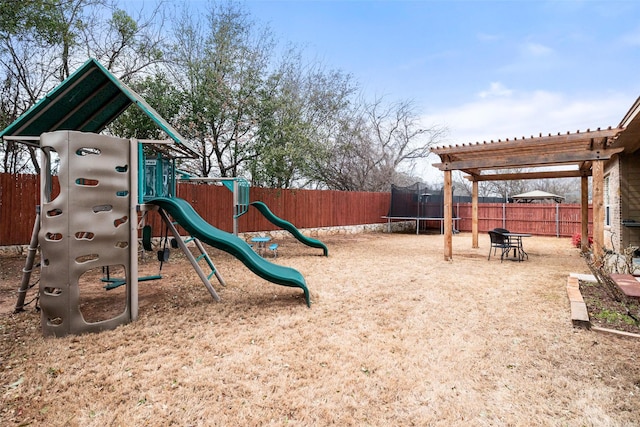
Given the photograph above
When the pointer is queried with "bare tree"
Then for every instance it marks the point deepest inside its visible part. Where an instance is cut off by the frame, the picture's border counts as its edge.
(220, 64)
(569, 188)
(300, 111)
(30, 64)
(374, 143)
(41, 42)
(127, 45)
(508, 188)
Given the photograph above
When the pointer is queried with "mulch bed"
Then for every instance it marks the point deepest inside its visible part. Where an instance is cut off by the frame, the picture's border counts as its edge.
(606, 312)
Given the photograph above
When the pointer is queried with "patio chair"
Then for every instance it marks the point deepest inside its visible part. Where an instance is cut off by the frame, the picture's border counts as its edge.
(501, 230)
(500, 241)
(505, 231)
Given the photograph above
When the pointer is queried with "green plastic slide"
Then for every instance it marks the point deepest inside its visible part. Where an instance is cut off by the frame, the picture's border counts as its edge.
(264, 210)
(184, 214)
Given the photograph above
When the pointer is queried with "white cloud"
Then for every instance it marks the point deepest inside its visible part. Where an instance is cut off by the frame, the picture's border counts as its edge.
(536, 49)
(524, 114)
(496, 89)
(531, 58)
(529, 113)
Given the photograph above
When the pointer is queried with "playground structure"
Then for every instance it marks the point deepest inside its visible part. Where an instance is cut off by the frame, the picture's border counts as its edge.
(108, 185)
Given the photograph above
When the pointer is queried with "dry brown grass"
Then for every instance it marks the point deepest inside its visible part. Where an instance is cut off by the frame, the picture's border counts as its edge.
(395, 336)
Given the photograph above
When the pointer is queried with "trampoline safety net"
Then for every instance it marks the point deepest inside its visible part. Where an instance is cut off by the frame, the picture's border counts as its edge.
(419, 201)
(416, 201)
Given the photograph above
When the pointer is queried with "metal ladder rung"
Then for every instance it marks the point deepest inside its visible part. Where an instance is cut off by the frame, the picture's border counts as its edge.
(204, 255)
(189, 255)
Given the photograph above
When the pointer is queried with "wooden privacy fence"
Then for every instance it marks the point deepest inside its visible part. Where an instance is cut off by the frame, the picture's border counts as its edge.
(20, 194)
(541, 219)
(303, 208)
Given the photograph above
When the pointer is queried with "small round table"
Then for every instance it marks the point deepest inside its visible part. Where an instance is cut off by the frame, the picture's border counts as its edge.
(262, 242)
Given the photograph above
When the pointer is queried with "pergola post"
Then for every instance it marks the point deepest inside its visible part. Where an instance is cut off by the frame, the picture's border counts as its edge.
(597, 169)
(474, 214)
(584, 213)
(448, 217)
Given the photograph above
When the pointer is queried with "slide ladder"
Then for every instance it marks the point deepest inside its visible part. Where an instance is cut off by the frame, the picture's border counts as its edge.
(192, 259)
(204, 255)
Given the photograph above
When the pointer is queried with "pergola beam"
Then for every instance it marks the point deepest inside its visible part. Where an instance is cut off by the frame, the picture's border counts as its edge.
(504, 161)
(529, 175)
(601, 138)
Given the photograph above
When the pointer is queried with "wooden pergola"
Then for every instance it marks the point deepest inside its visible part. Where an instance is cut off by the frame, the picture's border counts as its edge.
(587, 152)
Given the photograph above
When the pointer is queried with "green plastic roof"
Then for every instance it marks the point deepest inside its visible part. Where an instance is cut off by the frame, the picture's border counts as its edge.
(87, 101)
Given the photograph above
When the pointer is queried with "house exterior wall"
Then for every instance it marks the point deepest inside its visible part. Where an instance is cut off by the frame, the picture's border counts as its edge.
(627, 199)
(612, 232)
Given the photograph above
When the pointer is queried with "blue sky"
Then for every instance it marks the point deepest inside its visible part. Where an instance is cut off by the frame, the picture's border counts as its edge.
(540, 66)
(484, 69)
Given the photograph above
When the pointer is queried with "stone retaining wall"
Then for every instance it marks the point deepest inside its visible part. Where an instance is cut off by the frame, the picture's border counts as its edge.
(316, 233)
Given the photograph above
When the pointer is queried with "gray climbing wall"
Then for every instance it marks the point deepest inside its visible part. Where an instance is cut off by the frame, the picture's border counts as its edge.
(86, 227)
